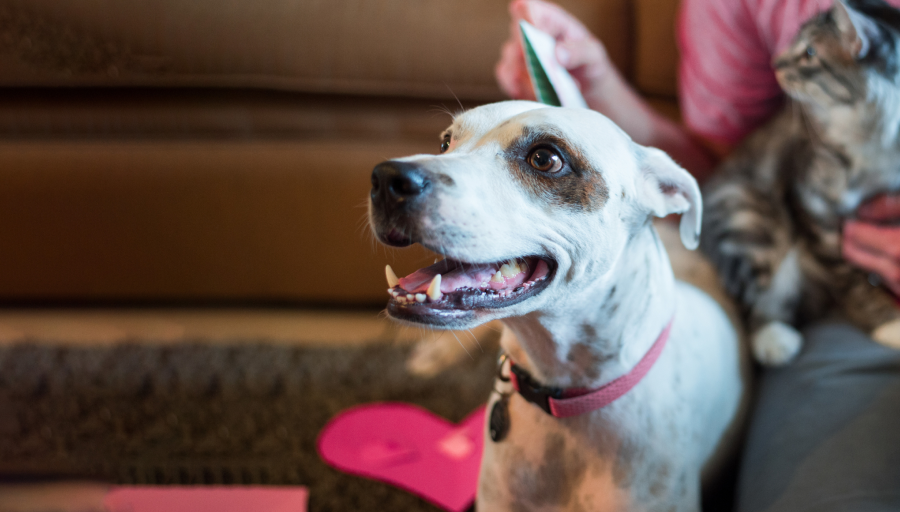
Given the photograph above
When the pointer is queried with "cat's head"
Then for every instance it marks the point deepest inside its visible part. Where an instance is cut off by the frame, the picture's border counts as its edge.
(843, 56)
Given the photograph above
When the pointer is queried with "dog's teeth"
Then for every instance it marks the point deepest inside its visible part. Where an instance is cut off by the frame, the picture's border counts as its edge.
(420, 297)
(497, 278)
(510, 268)
(434, 289)
(391, 276)
(410, 297)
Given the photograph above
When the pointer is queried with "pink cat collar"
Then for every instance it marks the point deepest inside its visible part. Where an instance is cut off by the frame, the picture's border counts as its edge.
(566, 402)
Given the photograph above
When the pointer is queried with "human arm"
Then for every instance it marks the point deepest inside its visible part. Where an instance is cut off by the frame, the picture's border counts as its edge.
(603, 86)
(871, 244)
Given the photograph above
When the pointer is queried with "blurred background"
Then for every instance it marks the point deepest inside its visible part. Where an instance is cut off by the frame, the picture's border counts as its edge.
(183, 188)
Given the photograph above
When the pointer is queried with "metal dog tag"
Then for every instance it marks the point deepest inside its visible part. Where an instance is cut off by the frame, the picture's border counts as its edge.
(498, 426)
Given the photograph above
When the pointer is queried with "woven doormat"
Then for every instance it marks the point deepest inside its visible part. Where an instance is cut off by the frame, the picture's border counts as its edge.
(242, 413)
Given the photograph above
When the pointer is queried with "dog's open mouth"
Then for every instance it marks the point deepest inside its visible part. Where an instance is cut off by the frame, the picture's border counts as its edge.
(452, 288)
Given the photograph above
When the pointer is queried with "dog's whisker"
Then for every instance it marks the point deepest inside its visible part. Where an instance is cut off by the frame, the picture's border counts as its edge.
(462, 345)
(475, 339)
(441, 109)
(461, 107)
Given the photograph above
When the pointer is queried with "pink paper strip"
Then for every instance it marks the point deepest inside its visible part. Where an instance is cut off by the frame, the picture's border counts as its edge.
(206, 499)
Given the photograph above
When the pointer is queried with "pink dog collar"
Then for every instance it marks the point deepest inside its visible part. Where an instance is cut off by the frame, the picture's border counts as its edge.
(563, 403)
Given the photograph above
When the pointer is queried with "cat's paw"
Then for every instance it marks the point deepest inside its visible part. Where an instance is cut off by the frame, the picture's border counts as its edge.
(888, 334)
(776, 344)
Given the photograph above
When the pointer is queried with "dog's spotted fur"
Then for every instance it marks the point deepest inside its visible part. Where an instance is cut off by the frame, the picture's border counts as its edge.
(611, 294)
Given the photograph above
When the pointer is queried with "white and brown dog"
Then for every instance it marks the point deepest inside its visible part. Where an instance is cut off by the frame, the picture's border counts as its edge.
(623, 387)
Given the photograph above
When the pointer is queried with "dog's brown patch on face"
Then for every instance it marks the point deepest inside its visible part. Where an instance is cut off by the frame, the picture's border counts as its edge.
(578, 185)
(553, 482)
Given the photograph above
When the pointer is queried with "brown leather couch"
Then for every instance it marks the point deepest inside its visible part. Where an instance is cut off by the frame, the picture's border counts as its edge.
(204, 151)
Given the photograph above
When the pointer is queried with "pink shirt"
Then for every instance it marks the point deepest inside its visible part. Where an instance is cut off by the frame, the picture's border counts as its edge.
(727, 85)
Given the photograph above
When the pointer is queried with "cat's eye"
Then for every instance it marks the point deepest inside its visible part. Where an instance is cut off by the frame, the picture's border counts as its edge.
(445, 144)
(810, 52)
(545, 160)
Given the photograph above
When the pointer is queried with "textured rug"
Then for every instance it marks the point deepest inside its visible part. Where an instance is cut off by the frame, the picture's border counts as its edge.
(243, 413)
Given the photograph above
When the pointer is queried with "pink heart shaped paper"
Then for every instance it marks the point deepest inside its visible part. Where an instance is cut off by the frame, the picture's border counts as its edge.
(410, 448)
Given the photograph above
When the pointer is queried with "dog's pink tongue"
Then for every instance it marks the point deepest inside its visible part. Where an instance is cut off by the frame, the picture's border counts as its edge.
(455, 276)
(464, 276)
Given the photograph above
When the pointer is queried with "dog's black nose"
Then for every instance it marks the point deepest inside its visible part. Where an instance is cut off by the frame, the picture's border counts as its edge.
(398, 182)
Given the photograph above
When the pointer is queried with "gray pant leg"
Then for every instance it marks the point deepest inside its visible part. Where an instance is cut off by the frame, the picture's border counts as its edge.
(825, 434)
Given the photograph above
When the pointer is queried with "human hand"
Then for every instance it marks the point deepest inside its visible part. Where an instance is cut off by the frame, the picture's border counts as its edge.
(577, 50)
(870, 244)
(603, 87)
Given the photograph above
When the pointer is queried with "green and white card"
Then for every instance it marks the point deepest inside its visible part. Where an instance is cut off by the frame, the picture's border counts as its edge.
(552, 84)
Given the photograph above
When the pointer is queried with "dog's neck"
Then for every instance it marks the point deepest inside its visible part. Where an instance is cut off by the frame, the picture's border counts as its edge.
(592, 337)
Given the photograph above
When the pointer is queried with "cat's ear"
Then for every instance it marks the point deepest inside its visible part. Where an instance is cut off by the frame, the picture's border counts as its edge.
(666, 188)
(859, 32)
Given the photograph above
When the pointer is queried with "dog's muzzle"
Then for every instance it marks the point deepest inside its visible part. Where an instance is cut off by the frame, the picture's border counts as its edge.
(399, 190)
(399, 185)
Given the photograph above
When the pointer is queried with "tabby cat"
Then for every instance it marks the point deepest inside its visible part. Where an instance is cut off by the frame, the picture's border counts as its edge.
(775, 208)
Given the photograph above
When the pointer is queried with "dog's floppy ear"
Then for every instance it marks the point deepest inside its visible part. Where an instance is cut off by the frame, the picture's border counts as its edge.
(667, 188)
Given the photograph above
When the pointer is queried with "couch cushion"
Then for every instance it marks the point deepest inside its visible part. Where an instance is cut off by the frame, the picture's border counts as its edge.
(396, 47)
(194, 221)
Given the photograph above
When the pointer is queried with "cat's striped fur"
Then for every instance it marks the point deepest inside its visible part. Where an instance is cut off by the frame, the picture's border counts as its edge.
(775, 208)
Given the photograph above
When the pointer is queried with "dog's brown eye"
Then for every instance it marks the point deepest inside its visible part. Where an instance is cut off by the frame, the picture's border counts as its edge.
(445, 145)
(545, 160)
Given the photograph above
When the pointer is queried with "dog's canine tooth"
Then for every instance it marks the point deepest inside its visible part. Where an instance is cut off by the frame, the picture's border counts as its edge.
(420, 297)
(434, 289)
(497, 278)
(391, 276)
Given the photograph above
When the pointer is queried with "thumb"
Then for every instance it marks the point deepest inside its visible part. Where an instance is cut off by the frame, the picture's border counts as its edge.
(583, 52)
(518, 10)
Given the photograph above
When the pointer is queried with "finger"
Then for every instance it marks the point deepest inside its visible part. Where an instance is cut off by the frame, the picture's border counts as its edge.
(881, 240)
(518, 10)
(527, 90)
(884, 266)
(584, 52)
(508, 80)
(881, 208)
(510, 68)
(549, 18)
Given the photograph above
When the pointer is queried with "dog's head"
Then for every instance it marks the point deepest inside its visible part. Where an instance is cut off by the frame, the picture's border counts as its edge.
(531, 205)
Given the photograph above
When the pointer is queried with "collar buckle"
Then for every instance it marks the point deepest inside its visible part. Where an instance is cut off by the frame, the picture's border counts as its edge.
(533, 391)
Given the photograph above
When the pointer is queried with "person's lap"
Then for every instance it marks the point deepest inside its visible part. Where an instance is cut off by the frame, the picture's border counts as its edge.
(825, 433)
